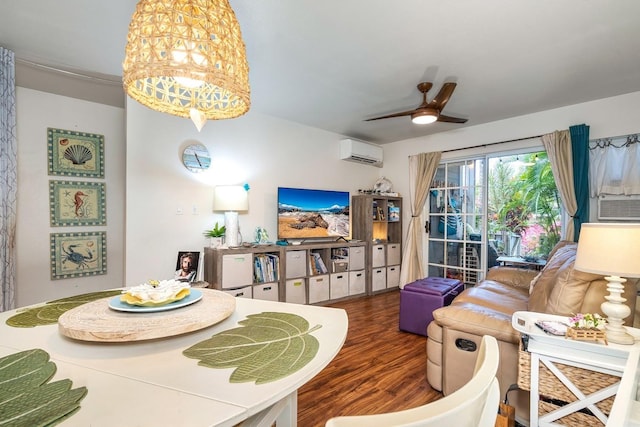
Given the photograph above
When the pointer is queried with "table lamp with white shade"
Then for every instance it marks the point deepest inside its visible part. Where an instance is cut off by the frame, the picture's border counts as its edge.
(231, 199)
(611, 249)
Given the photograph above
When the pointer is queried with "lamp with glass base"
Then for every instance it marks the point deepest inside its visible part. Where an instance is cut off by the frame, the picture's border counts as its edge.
(230, 199)
(611, 249)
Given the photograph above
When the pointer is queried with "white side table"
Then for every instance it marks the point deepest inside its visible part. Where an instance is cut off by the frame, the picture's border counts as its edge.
(550, 350)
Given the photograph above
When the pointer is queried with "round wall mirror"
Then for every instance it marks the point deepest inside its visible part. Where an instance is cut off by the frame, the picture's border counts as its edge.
(196, 158)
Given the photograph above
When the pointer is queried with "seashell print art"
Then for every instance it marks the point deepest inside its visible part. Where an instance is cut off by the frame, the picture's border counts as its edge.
(78, 154)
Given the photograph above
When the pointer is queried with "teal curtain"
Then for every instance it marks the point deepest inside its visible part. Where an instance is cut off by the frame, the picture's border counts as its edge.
(580, 152)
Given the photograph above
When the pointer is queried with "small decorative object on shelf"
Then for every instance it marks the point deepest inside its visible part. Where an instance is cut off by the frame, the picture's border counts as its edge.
(587, 327)
(216, 235)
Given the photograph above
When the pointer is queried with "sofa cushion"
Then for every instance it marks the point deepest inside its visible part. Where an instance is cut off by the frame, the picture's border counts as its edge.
(496, 296)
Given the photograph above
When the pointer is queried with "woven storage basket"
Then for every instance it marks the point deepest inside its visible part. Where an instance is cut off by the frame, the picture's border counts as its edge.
(551, 388)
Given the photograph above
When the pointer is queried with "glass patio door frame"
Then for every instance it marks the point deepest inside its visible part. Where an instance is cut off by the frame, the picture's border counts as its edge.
(433, 218)
(451, 205)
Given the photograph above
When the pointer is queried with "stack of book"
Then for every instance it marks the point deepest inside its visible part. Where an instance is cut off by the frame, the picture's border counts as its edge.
(266, 268)
(316, 264)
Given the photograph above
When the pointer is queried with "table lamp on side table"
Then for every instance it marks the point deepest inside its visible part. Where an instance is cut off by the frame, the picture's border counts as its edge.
(231, 199)
(612, 249)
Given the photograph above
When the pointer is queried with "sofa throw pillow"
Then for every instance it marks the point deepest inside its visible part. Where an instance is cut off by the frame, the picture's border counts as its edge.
(557, 266)
(569, 292)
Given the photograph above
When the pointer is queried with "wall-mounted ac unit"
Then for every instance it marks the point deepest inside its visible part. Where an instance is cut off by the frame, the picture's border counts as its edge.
(620, 208)
(361, 152)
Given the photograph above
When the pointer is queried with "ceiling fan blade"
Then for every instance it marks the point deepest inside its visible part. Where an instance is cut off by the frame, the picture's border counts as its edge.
(388, 116)
(449, 119)
(443, 96)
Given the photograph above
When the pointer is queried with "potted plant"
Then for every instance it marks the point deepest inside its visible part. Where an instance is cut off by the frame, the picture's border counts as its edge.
(216, 234)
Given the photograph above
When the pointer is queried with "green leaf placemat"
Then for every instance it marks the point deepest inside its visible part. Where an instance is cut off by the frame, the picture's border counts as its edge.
(49, 313)
(268, 346)
(26, 396)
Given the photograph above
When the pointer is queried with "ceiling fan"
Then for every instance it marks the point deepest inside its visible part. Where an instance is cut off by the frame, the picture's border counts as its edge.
(429, 112)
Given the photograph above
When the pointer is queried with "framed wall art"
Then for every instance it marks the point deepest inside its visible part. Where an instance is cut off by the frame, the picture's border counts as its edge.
(73, 153)
(74, 203)
(78, 254)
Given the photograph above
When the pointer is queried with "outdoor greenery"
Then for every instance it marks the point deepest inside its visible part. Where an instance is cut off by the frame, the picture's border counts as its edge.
(524, 204)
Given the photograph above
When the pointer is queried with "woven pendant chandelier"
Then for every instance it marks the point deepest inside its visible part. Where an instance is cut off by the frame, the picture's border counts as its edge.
(187, 58)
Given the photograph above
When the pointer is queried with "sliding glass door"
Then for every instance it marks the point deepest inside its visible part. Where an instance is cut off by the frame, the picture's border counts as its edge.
(491, 210)
(457, 221)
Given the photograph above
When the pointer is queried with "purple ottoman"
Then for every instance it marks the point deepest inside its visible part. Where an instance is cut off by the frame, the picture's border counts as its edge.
(420, 298)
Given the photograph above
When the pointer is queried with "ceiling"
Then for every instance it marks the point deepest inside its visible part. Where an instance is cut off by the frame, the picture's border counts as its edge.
(331, 64)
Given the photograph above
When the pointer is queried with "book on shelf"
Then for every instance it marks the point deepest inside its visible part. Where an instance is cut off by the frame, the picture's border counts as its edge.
(316, 264)
(266, 268)
(394, 213)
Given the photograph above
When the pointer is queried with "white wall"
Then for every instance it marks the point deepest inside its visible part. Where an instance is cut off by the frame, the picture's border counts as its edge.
(606, 117)
(36, 111)
(263, 151)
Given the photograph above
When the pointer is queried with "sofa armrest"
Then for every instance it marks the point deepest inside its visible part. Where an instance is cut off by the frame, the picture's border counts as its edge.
(477, 320)
(512, 276)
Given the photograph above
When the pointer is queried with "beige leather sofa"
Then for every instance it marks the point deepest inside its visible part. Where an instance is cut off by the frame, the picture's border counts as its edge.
(456, 330)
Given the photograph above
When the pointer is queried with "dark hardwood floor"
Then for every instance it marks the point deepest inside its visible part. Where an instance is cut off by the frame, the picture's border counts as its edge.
(379, 369)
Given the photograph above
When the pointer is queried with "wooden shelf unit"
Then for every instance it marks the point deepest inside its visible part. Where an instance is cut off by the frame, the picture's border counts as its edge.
(377, 220)
(301, 278)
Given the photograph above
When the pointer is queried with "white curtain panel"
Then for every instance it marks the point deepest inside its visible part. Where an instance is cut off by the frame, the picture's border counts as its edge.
(614, 166)
(8, 179)
(558, 148)
(422, 169)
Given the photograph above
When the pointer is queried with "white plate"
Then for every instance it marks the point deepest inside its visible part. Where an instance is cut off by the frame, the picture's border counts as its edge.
(115, 304)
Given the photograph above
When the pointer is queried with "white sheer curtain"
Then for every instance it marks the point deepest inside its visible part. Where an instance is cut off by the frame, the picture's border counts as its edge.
(614, 166)
(8, 179)
(422, 169)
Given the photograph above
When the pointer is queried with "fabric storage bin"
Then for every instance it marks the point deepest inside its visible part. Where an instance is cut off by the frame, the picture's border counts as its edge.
(356, 258)
(393, 276)
(378, 279)
(393, 253)
(339, 285)
(237, 270)
(377, 256)
(318, 288)
(266, 291)
(296, 291)
(356, 282)
(244, 292)
(296, 265)
(420, 298)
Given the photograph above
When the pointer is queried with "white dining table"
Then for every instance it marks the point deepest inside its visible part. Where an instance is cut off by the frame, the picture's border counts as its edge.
(152, 383)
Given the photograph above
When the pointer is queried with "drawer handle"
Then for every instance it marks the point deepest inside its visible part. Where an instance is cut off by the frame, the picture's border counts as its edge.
(267, 288)
(379, 249)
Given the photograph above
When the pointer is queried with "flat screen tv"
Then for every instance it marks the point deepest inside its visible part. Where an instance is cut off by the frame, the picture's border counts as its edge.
(311, 214)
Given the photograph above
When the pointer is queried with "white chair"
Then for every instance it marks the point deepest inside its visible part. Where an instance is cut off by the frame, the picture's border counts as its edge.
(473, 405)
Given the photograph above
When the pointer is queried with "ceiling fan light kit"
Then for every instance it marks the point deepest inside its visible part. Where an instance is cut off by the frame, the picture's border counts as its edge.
(429, 112)
(424, 117)
(187, 58)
